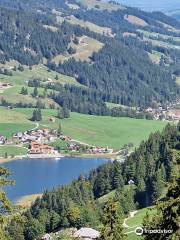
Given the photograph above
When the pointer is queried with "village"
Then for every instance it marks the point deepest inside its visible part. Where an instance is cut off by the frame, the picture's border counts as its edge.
(41, 143)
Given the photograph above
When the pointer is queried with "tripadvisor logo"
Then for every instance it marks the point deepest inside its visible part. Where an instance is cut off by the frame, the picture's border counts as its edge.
(139, 231)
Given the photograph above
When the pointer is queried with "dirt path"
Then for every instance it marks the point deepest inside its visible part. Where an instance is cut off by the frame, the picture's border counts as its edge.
(131, 215)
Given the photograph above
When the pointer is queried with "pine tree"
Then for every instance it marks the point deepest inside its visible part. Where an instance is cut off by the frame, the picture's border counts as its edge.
(35, 93)
(36, 116)
(66, 112)
(56, 77)
(60, 114)
(112, 229)
(24, 91)
(5, 205)
(59, 131)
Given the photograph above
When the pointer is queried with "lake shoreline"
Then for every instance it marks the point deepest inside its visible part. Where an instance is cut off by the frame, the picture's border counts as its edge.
(83, 155)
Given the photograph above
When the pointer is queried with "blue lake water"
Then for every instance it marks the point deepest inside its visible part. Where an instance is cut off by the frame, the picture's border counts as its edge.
(34, 176)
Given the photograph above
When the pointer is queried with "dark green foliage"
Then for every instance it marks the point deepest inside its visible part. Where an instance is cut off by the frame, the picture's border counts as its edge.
(112, 220)
(167, 217)
(120, 80)
(35, 93)
(63, 113)
(24, 91)
(36, 115)
(5, 205)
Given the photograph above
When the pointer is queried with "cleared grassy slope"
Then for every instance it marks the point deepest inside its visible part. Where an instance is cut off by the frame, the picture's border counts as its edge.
(95, 130)
(109, 131)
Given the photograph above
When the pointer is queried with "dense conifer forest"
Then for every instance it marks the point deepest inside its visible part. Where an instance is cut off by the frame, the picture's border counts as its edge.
(121, 72)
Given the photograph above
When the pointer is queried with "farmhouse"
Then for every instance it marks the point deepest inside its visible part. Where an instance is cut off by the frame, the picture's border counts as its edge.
(3, 140)
(86, 234)
(38, 148)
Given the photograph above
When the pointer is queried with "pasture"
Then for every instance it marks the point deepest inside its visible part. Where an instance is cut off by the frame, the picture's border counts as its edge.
(84, 50)
(93, 27)
(94, 130)
(109, 131)
(12, 151)
(101, 5)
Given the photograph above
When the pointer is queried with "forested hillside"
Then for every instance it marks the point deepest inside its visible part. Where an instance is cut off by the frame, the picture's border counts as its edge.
(136, 62)
(77, 205)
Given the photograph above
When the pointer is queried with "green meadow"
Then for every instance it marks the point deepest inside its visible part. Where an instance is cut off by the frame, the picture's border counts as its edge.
(137, 221)
(94, 130)
(109, 131)
(12, 151)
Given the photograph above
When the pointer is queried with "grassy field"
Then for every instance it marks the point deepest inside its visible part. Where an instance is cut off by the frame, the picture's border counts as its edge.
(39, 71)
(135, 20)
(101, 5)
(178, 80)
(155, 56)
(19, 79)
(137, 221)
(84, 50)
(7, 129)
(12, 151)
(139, 216)
(162, 42)
(12, 122)
(94, 130)
(85, 24)
(109, 131)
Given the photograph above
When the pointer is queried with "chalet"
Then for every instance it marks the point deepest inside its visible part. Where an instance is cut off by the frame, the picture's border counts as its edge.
(17, 136)
(130, 182)
(2, 140)
(86, 234)
(38, 148)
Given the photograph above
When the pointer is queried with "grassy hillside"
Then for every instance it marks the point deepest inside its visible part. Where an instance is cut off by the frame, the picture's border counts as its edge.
(20, 79)
(84, 50)
(12, 122)
(39, 71)
(12, 151)
(109, 131)
(101, 5)
(103, 131)
(137, 221)
(85, 24)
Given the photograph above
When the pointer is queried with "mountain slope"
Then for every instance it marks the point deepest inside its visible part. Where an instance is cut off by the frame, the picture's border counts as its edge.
(122, 70)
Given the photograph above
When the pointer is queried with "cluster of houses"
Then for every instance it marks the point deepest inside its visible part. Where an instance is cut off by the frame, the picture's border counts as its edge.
(163, 114)
(38, 135)
(38, 139)
(99, 150)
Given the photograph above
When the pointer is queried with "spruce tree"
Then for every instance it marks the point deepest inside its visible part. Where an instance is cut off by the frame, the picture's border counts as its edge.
(112, 229)
(5, 205)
